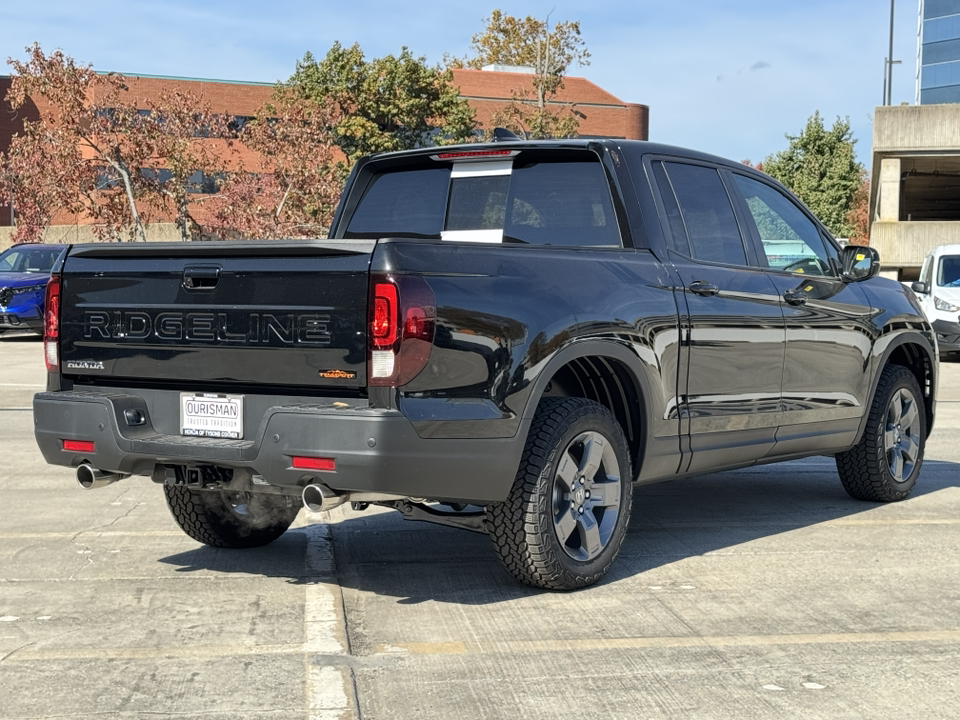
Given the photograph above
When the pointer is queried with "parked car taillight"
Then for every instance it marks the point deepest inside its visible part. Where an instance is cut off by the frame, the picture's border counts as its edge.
(51, 326)
(402, 322)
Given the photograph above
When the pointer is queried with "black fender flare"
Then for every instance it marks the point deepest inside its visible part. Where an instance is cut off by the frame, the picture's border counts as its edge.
(642, 374)
(588, 348)
(904, 338)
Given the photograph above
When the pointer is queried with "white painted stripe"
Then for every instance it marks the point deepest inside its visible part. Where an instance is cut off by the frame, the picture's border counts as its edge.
(572, 645)
(322, 626)
(88, 534)
(33, 385)
(327, 697)
(329, 689)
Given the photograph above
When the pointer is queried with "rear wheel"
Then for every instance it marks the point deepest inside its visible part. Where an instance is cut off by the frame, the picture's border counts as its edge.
(566, 516)
(226, 519)
(884, 466)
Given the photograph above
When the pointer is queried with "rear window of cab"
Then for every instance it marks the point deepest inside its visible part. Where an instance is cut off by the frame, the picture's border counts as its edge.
(533, 198)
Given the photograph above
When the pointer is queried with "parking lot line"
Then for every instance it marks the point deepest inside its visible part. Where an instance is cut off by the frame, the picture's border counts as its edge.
(635, 643)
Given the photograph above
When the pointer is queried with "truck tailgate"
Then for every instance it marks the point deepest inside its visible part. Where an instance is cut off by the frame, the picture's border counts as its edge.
(267, 314)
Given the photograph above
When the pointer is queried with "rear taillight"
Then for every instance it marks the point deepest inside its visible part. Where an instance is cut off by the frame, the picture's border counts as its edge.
(402, 321)
(385, 313)
(51, 326)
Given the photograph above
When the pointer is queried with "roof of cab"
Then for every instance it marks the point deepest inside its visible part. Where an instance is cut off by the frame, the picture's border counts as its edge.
(643, 147)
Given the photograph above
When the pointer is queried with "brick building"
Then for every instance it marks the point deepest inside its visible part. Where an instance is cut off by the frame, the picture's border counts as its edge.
(600, 114)
(239, 100)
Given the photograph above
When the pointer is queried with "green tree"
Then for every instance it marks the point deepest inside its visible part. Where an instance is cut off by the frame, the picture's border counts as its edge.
(820, 166)
(549, 51)
(388, 103)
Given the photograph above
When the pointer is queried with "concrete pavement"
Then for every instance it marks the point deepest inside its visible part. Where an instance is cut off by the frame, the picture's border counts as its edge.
(765, 593)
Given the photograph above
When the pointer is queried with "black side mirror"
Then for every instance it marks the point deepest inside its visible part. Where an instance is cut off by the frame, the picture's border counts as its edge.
(859, 263)
(920, 288)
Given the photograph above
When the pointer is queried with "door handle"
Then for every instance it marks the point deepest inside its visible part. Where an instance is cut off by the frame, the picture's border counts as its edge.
(201, 277)
(700, 287)
(795, 297)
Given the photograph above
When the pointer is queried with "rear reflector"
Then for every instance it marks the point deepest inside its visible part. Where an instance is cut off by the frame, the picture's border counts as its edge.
(315, 463)
(79, 446)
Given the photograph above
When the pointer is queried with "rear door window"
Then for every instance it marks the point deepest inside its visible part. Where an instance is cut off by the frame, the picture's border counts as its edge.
(532, 200)
(708, 218)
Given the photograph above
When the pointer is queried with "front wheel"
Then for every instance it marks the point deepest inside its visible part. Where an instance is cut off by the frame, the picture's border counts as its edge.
(884, 465)
(226, 519)
(566, 516)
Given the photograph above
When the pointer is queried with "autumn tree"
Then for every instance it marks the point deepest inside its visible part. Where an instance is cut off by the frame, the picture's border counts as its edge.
(820, 166)
(34, 173)
(858, 218)
(550, 51)
(295, 187)
(388, 103)
(64, 159)
(189, 146)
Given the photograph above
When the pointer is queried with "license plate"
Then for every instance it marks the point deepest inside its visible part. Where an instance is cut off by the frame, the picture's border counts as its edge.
(211, 415)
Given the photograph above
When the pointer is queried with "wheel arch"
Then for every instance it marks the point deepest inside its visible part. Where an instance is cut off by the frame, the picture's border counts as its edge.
(608, 373)
(914, 352)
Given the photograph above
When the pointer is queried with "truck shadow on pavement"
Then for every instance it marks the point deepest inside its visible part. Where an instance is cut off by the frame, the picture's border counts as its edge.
(380, 553)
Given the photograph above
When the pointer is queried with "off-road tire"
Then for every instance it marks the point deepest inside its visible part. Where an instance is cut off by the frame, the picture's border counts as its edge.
(216, 518)
(526, 527)
(865, 470)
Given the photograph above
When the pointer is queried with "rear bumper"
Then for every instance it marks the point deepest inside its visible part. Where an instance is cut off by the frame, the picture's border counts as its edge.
(375, 450)
(948, 335)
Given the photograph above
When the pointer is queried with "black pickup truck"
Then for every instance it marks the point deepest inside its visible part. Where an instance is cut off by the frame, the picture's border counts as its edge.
(499, 337)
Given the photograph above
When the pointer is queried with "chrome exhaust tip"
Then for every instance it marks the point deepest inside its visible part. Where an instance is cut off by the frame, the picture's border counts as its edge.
(90, 478)
(317, 498)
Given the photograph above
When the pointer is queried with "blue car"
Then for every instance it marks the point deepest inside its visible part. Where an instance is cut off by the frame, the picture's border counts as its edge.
(24, 271)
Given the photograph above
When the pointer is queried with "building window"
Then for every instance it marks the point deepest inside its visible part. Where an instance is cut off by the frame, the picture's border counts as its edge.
(941, 75)
(938, 96)
(944, 28)
(941, 52)
(940, 8)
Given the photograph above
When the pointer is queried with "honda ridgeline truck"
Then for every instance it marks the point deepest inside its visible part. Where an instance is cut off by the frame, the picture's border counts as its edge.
(501, 337)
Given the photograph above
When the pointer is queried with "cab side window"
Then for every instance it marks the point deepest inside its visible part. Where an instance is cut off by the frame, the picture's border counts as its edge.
(708, 217)
(791, 241)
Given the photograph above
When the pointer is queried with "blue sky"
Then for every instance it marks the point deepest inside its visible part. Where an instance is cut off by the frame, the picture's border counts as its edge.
(729, 77)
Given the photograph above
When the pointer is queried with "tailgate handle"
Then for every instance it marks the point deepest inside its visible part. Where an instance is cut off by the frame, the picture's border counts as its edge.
(201, 277)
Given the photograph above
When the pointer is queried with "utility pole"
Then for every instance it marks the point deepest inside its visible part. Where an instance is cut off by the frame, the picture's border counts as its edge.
(887, 90)
(888, 100)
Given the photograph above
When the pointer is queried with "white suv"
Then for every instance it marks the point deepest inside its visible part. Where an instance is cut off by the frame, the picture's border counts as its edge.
(939, 293)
